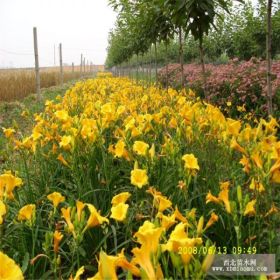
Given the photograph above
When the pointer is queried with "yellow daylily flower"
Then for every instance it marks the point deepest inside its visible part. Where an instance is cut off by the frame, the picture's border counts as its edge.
(179, 216)
(191, 214)
(213, 219)
(80, 206)
(65, 142)
(257, 160)
(234, 145)
(162, 203)
(272, 210)
(212, 198)
(78, 274)
(166, 221)
(178, 233)
(9, 270)
(246, 164)
(119, 212)
(120, 198)
(223, 196)
(190, 161)
(27, 212)
(66, 214)
(233, 127)
(224, 185)
(9, 132)
(56, 198)
(95, 219)
(179, 239)
(8, 182)
(250, 208)
(120, 149)
(3, 211)
(139, 177)
(275, 166)
(275, 178)
(107, 266)
(57, 237)
(142, 257)
(148, 234)
(256, 186)
(62, 160)
(62, 115)
(140, 148)
(36, 135)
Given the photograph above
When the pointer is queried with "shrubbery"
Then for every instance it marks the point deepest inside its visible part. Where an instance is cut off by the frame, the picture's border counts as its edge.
(239, 85)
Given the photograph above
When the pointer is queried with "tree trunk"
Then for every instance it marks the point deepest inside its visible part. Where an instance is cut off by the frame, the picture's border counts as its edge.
(268, 57)
(181, 54)
(129, 69)
(147, 69)
(156, 62)
(150, 66)
(137, 70)
(166, 67)
(203, 67)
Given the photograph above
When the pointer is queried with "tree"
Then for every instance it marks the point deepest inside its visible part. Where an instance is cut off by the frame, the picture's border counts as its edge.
(144, 24)
(268, 56)
(197, 17)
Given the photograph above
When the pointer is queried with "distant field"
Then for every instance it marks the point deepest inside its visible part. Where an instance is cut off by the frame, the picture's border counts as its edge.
(18, 83)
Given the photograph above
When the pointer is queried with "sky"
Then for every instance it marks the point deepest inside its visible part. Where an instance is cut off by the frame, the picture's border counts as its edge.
(82, 26)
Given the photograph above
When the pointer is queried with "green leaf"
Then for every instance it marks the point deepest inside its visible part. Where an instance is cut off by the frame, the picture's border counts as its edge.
(25, 262)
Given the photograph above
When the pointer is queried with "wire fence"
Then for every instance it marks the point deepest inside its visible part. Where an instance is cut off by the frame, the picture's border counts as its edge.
(16, 83)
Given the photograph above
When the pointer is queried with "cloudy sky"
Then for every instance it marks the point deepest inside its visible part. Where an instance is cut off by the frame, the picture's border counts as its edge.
(81, 26)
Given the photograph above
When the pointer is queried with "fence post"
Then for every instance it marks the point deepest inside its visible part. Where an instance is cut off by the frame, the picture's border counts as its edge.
(54, 54)
(84, 65)
(81, 68)
(60, 61)
(72, 67)
(37, 72)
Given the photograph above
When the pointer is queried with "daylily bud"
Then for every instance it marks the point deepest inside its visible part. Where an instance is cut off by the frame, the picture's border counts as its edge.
(239, 194)
(200, 226)
(208, 260)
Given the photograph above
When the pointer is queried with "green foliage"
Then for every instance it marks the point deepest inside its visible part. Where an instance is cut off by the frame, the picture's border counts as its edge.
(240, 31)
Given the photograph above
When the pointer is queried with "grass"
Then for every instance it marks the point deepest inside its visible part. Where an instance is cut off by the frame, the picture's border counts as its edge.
(11, 114)
(17, 84)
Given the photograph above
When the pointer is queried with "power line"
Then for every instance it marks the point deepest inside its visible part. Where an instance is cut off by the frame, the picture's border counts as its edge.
(15, 53)
(77, 49)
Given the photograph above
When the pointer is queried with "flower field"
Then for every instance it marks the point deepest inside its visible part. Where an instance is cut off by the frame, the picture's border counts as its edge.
(119, 180)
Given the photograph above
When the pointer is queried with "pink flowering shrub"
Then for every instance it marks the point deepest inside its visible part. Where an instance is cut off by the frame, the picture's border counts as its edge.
(236, 83)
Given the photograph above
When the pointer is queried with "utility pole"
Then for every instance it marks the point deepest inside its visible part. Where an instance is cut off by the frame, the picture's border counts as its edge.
(60, 62)
(54, 55)
(81, 68)
(84, 64)
(37, 72)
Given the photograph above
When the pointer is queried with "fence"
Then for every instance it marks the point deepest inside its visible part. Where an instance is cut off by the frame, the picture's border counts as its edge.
(18, 83)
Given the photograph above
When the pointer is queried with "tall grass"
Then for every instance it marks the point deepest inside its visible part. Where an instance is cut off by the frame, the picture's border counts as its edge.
(17, 84)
